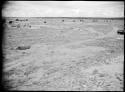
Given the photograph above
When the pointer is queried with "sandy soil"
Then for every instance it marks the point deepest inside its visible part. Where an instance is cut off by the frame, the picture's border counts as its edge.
(80, 58)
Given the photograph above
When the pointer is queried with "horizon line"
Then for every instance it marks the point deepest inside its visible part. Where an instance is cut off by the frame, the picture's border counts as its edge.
(63, 17)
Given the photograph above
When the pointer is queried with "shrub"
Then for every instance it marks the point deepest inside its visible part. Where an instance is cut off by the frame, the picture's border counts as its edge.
(44, 21)
(17, 19)
(23, 47)
(10, 22)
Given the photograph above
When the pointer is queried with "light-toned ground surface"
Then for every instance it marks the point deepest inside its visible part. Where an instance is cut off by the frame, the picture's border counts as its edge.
(77, 57)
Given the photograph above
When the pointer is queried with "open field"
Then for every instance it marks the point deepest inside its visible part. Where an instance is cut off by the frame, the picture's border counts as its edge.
(64, 55)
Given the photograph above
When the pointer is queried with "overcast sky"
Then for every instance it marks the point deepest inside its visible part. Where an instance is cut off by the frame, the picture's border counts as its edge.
(63, 9)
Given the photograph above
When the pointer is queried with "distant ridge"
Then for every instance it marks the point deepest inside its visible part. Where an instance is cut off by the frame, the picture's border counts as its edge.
(73, 17)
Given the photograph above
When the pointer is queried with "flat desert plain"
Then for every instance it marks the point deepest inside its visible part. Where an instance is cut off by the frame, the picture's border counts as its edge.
(63, 55)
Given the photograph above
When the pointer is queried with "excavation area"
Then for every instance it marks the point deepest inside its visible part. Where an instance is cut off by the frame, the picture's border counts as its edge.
(56, 55)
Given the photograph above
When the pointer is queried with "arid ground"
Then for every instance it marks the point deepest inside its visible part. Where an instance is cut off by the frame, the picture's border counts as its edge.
(61, 54)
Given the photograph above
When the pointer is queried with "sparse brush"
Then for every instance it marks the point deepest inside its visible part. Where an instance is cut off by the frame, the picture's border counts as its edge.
(23, 47)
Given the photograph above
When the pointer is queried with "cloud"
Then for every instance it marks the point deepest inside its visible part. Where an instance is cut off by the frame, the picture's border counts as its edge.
(63, 9)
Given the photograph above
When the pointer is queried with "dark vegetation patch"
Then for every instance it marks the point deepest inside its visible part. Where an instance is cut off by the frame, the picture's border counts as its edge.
(23, 47)
(121, 32)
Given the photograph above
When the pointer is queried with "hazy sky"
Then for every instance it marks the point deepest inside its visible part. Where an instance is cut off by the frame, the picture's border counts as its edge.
(63, 9)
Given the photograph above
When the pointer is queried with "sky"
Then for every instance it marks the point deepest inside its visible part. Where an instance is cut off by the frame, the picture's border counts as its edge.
(63, 9)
